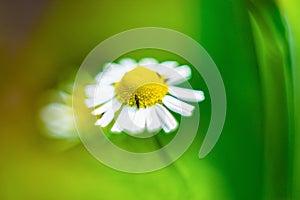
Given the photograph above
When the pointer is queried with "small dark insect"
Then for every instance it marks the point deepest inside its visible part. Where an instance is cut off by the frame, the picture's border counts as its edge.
(136, 98)
(158, 75)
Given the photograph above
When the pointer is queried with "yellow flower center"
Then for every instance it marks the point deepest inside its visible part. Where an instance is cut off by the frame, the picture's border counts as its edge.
(141, 87)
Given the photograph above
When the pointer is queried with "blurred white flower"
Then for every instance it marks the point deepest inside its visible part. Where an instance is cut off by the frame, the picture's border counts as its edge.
(142, 91)
(57, 117)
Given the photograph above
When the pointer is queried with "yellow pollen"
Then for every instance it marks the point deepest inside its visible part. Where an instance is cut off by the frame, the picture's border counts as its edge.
(141, 87)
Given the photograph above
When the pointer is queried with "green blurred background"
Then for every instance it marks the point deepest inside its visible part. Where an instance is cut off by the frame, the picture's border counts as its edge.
(255, 44)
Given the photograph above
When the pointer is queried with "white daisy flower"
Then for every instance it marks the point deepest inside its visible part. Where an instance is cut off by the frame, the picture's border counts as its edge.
(138, 95)
(57, 117)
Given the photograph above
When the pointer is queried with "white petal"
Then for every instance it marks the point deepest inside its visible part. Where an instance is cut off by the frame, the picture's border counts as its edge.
(105, 119)
(170, 64)
(110, 67)
(148, 61)
(101, 95)
(162, 70)
(135, 120)
(122, 68)
(180, 75)
(169, 123)
(111, 76)
(116, 105)
(109, 110)
(125, 122)
(178, 106)
(128, 63)
(116, 128)
(113, 104)
(140, 118)
(90, 90)
(98, 89)
(111, 73)
(152, 120)
(105, 107)
(58, 120)
(103, 90)
(186, 94)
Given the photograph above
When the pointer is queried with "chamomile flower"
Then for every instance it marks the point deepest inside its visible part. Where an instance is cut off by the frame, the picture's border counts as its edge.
(139, 95)
(57, 117)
